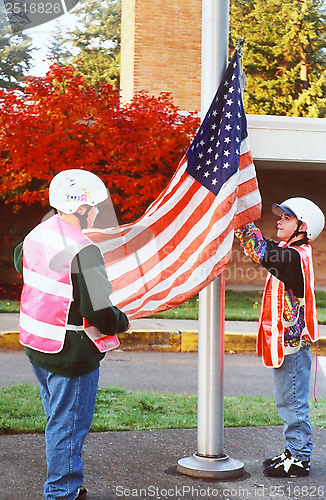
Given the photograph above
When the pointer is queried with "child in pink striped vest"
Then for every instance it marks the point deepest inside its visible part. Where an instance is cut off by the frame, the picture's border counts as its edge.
(66, 288)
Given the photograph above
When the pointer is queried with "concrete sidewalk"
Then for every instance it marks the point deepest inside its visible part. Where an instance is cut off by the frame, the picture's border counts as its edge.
(143, 465)
(162, 334)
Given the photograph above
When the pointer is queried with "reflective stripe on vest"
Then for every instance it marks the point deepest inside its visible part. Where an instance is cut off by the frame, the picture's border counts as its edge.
(47, 293)
(270, 340)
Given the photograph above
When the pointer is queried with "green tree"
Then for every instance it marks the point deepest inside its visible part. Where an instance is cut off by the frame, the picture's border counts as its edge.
(94, 44)
(284, 55)
(58, 50)
(15, 55)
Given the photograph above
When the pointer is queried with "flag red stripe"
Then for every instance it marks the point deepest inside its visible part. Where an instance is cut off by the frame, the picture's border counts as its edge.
(187, 253)
(247, 187)
(245, 160)
(249, 215)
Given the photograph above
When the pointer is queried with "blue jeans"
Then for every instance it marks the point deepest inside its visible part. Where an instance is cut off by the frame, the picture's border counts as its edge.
(291, 387)
(69, 408)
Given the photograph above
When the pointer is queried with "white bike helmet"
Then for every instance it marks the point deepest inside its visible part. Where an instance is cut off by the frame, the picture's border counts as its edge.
(305, 211)
(70, 189)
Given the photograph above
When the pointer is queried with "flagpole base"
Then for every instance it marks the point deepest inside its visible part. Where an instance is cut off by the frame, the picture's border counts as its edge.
(222, 467)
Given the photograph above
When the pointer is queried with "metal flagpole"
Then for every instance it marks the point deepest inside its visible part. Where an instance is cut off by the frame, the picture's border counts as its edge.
(210, 461)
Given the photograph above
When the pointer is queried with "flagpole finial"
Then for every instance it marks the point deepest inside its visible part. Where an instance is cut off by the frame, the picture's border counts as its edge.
(239, 50)
(240, 44)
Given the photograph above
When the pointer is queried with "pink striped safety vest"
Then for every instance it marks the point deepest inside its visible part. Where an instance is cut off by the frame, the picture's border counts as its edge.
(270, 341)
(47, 293)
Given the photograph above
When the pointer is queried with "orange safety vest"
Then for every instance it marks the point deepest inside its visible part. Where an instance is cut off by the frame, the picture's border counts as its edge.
(270, 340)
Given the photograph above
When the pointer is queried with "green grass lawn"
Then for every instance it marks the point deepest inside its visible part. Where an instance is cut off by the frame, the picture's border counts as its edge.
(239, 306)
(119, 409)
(9, 306)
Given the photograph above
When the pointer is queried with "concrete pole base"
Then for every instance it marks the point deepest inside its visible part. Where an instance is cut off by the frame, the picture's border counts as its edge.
(222, 467)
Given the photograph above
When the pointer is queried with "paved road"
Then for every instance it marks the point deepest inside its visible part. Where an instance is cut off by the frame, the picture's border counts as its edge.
(163, 372)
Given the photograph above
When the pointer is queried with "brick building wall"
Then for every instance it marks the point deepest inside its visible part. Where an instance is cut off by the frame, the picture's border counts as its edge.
(161, 49)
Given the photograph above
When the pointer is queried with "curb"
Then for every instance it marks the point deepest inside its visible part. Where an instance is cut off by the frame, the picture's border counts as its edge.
(173, 340)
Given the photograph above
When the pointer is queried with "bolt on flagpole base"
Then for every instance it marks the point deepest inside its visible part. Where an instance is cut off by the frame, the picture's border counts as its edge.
(222, 467)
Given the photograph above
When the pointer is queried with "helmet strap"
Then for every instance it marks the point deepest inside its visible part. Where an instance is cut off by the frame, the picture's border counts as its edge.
(297, 232)
(83, 217)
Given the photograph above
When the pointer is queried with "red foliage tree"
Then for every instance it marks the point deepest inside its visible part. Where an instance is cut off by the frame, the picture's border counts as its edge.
(60, 122)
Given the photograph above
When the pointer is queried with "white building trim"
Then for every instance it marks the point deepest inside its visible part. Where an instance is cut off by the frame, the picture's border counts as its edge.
(300, 142)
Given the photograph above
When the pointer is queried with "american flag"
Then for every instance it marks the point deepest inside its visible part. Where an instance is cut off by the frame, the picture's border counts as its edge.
(184, 239)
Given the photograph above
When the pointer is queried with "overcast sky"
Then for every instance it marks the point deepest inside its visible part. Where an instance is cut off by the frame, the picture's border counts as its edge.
(41, 36)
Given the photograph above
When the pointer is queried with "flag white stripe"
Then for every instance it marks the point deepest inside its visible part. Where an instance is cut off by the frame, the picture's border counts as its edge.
(245, 146)
(247, 173)
(248, 200)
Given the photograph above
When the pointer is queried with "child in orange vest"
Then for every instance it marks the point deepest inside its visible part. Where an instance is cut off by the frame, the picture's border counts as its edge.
(288, 323)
